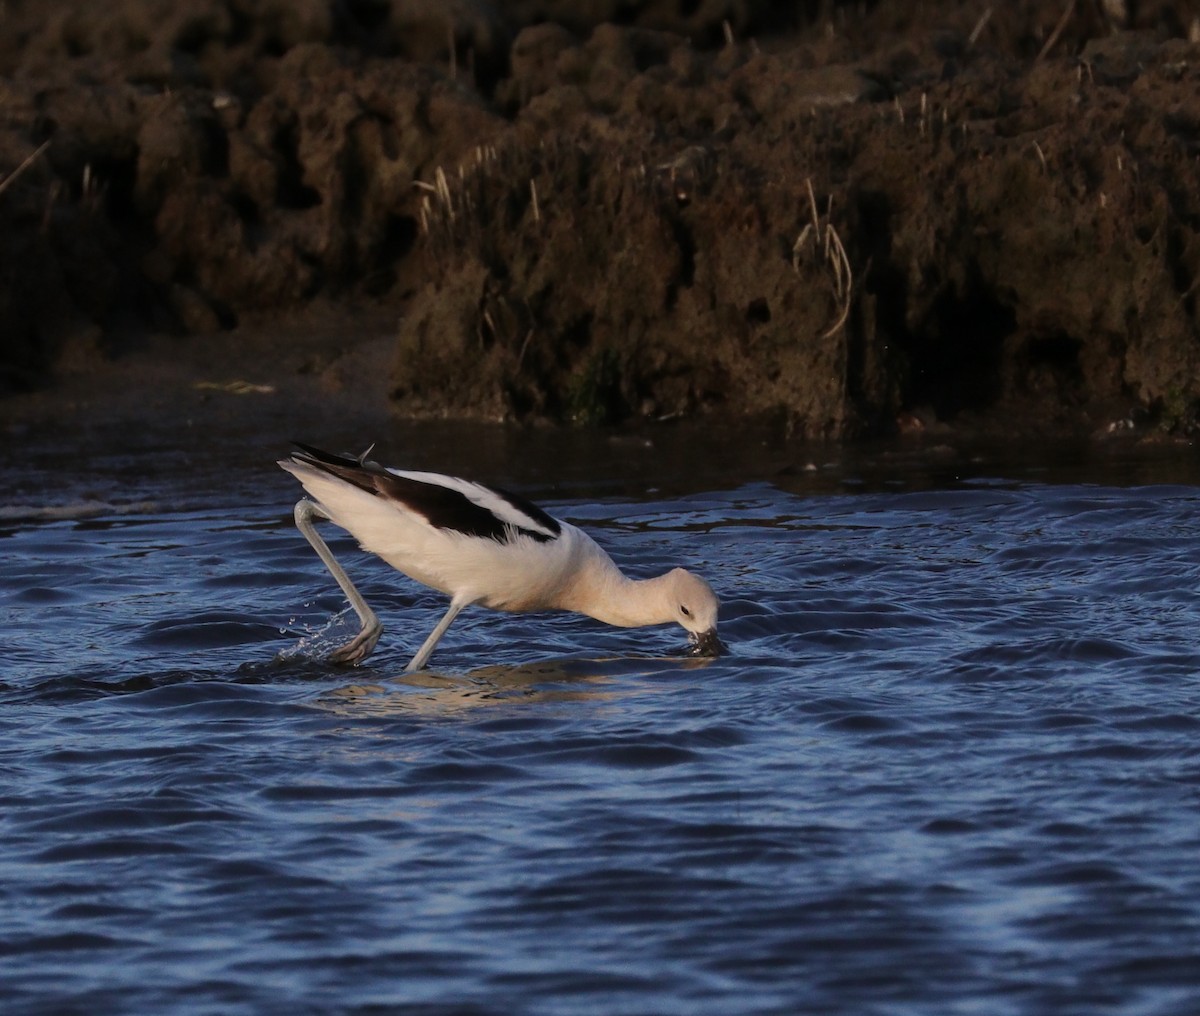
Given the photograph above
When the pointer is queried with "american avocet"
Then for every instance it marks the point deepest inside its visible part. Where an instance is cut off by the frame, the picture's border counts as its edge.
(480, 545)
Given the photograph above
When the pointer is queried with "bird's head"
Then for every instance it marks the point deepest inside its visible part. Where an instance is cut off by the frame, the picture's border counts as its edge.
(694, 605)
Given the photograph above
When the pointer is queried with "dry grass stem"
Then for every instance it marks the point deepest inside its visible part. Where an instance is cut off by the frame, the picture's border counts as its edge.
(798, 246)
(443, 191)
(825, 240)
(812, 203)
(29, 160)
(844, 292)
(1058, 30)
(980, 25)
(1041, 157)
(524, 346)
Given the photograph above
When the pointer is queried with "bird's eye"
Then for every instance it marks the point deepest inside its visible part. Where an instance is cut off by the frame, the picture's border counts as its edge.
(684, 611)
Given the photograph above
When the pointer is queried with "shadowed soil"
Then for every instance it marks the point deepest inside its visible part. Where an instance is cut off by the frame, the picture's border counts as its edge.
(852, 220)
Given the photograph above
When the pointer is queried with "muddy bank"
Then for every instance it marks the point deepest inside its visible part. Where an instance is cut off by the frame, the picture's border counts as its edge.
(854, 221)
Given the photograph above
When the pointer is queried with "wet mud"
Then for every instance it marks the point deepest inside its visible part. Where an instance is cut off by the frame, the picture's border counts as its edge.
(854, 220)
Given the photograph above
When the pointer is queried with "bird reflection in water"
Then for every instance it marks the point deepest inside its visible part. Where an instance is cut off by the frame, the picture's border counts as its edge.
(428, 693)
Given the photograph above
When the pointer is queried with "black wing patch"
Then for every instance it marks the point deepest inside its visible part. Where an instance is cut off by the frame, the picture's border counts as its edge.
(442, 507)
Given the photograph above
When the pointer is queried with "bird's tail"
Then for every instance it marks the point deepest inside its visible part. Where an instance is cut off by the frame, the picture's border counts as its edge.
(360, 472)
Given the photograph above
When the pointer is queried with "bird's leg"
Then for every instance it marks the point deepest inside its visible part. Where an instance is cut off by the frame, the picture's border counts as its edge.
(427, 647)
(359, 647)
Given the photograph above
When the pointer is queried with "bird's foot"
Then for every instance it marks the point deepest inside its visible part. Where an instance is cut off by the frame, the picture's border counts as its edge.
(358, 648)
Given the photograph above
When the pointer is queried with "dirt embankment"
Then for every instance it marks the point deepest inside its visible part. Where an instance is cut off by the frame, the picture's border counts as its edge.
(857, 219)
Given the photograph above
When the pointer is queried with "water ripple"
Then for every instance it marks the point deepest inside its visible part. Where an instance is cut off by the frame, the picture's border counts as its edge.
(948, 764)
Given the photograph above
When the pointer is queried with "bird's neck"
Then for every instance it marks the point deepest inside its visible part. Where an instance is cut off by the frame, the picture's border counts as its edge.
(602, 591)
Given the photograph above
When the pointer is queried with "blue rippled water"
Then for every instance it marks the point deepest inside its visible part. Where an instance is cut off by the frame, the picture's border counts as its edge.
(949, 764)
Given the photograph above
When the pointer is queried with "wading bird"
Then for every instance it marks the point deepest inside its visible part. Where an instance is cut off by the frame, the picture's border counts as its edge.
(480, 545)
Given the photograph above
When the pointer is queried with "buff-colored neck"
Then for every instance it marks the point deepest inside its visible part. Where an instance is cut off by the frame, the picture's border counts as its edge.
(600, 590)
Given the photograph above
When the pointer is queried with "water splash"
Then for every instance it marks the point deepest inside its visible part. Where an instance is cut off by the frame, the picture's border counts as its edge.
(317, 642)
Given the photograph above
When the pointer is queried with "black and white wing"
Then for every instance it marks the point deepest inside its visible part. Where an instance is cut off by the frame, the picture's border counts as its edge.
(445, 502)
